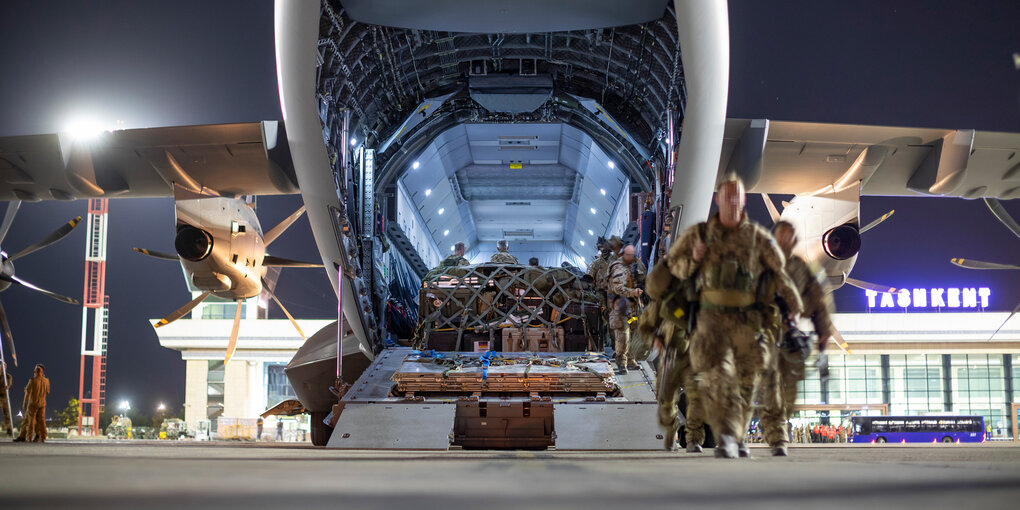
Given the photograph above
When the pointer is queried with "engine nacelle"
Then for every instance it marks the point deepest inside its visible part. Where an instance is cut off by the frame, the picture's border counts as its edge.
(842, 242)
(193, 243)
(828, 232)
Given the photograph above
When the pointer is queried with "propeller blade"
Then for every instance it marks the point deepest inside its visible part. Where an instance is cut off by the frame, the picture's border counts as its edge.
(284, 225)
(7, 334)
(871, 286)
(1000, 212)
(977, 264)
(53, 295)
(233, 333)
(12, 209)
(157, 254)
(1015, 310)
(265, 286)
(837, 338)
(57, 235)
(270, 261)
(875, 223)
(771, 206)
(182, 311)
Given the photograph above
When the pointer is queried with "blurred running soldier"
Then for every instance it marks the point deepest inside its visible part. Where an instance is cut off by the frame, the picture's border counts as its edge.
(728, 346)
(664, 324)
(779, 384)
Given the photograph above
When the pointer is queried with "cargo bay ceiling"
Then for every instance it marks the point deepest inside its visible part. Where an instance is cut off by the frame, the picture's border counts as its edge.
(536, 137)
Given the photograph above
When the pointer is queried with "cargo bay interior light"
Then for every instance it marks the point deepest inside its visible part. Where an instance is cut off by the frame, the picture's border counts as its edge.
(441, 211)
(446, 232)
(415, 165)
(354, 141)
(603, 191)
(582, 243)
(428, 192)
(593, 210)
(612, 165)
(591, 232)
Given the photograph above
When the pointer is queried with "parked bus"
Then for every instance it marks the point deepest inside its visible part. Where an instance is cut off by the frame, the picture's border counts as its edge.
(917, 429)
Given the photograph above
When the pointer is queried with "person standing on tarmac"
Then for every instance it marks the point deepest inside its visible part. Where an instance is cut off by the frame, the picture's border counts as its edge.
(35, 407)
(779, 382)
(728, 347)
(5, 403)
(623, 292)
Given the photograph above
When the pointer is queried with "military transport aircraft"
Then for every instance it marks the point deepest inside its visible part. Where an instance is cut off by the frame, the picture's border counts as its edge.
(417, 125)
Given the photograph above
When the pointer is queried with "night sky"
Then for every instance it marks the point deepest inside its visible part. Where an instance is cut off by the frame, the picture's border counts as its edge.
(933, 64)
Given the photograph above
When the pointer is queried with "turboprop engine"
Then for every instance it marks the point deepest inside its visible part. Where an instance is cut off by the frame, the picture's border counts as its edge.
(222, 250)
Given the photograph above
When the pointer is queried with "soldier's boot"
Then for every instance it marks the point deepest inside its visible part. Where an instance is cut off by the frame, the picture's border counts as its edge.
(744, 451)
(633, 364)
(779, 450)
(727, 448)
(671, 442)
(621, 365)
(693, 447)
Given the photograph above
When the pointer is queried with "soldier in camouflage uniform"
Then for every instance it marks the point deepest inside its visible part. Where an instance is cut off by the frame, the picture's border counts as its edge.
(666, 327)
(779, 383)
(456, 258)
(625, 307)
(728, 256)
(502, 255)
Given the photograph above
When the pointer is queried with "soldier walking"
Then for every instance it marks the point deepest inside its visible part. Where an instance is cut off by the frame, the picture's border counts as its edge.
(664, 324)
(728, 347)
(779, 383)
(35, 407)
(623, 291)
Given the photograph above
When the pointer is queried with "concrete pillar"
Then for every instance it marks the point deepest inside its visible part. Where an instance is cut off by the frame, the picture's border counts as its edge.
(235, 390)
(196, 391)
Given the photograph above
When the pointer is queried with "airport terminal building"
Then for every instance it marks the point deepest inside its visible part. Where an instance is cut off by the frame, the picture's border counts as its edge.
(910, 358)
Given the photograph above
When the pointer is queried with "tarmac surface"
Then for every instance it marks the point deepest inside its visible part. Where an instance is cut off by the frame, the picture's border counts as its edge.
(156, 475)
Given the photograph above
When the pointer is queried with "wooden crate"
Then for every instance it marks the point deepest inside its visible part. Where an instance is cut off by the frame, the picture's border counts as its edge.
(538, 340)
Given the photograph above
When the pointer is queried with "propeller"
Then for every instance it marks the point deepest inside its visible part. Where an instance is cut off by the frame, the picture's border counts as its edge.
(157, 254)
(12, 209)
(284, 225)
(59, 297)
(7, 334)
(771, 206)
(1015, 310)
(977, 264)
(1000, 212)
(233, 333)
(875, 223)
(266, 287)
(271, 261)
(860, 284)
(182, 311)
(55, 236)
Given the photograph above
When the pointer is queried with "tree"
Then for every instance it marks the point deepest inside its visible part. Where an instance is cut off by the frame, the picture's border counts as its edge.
(68, 417)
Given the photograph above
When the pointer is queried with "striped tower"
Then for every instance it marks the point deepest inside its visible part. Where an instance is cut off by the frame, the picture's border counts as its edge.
(95, 318)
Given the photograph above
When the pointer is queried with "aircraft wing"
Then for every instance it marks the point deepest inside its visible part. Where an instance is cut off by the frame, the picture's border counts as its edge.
(233, 159)
(814, 158)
